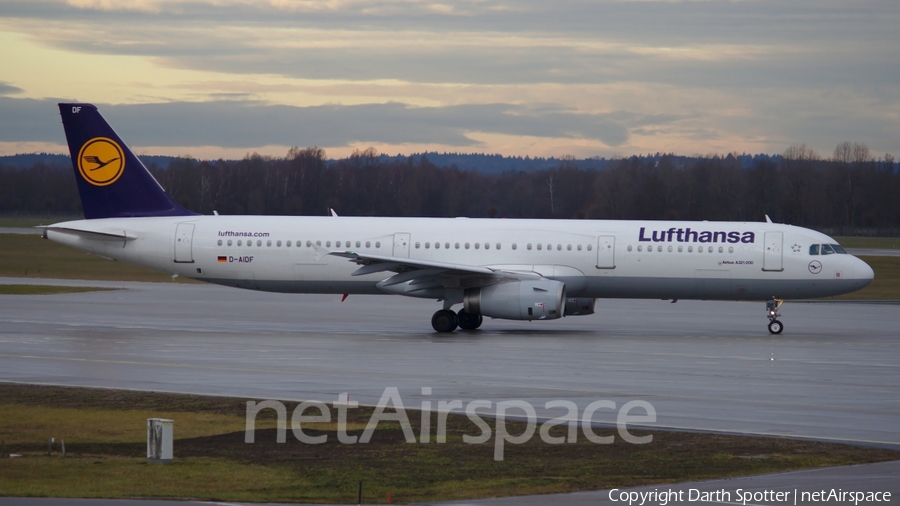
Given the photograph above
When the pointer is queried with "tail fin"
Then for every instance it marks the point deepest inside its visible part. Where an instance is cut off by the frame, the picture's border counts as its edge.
(112, 182)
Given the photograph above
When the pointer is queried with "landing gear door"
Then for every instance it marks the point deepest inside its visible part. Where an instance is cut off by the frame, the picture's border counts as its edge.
(401, 245)
(772, 259)
(606, 252)
(184, 235)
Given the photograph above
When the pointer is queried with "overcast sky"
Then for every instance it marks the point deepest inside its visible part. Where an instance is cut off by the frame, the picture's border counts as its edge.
(221, 78)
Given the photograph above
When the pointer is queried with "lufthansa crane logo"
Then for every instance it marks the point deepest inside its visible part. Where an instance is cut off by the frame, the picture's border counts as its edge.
(101, 161)
(815, 267)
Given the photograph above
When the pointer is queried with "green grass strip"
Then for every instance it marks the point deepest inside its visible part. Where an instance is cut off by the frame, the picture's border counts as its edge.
(105, 434)
(48, 289)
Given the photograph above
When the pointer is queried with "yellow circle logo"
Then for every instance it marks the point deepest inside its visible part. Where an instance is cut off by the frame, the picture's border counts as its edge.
(101, 161)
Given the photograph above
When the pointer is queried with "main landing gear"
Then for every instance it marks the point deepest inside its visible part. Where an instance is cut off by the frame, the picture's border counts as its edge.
(772, 307)
(446, 320)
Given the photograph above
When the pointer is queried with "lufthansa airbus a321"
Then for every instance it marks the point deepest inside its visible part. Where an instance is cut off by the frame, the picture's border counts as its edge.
(511, 269)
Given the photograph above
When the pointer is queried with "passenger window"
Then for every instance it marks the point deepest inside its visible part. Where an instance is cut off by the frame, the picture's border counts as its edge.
(487, 245)
(269, 243)
(659, 248)
(417, 245)
(640, 248)
(559, 247)
(549, 247)
(378, 244)
(514, 246)
(328, 244)
(540, 246)
(579, 247)
(690, 249)
(427, 245)
(259, 242)
(220, 242)
(357, 244)
(528, 247)
(278, 244)
(288, 244)
(446, 245)
(437, 245)
(731, 249)
(239, 242)
(670, 249)
(721, 249)
(710, 249)
(569, 247)
(629, 247)
(589, 247)
(827, 249)
(477, 245)
(680, 249)
(498, 245)
(456, 245)
(309, 244)
(368, 244)
(467, 245)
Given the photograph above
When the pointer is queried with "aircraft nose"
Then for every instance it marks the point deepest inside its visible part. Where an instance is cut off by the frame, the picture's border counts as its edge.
(863, 272)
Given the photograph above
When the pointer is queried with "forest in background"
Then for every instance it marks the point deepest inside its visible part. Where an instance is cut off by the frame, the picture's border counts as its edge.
(848, 193)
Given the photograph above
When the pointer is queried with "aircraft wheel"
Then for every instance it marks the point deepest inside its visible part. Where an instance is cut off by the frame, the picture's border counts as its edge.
(775, 327)
(444, 321)
(468, 321)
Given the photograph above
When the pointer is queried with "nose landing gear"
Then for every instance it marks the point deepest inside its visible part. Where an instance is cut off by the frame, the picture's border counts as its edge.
(772, 307)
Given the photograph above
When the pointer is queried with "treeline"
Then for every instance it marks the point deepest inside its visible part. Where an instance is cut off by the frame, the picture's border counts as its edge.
(850, 192)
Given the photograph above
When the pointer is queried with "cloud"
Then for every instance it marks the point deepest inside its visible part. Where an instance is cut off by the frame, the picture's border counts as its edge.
(692, 76)
(247, 124)
(8, 89)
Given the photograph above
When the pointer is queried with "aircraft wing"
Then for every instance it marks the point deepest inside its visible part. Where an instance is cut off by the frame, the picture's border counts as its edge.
(424, 273)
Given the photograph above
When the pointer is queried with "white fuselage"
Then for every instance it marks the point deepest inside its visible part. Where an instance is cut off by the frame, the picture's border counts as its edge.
(597, 259)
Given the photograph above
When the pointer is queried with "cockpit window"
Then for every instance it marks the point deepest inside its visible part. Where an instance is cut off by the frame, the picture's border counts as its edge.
(838, 249)
(827, 249)
(814, 249)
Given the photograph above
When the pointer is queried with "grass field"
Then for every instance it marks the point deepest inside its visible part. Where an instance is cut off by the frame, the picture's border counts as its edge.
(869, 242)
(28, 222)
(105, 435)
(31, 256)
(47, 289)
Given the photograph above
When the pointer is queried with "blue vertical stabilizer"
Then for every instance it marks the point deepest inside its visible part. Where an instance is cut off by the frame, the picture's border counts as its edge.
(112, 182)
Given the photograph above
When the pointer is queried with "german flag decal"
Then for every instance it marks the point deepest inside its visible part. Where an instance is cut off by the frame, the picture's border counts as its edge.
(223, 259)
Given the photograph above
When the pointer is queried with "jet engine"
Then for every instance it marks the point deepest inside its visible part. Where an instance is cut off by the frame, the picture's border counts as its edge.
(579, 306)
(542, 299)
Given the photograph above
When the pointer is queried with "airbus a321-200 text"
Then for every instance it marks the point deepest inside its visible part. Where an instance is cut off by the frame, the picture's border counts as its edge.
(510, 269)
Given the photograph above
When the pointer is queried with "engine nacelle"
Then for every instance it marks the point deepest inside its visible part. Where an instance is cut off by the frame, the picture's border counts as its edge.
(580, 306)
(518, 300)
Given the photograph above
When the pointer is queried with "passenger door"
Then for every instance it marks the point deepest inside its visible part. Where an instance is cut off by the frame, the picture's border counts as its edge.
(772, 257)
(184, 235)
